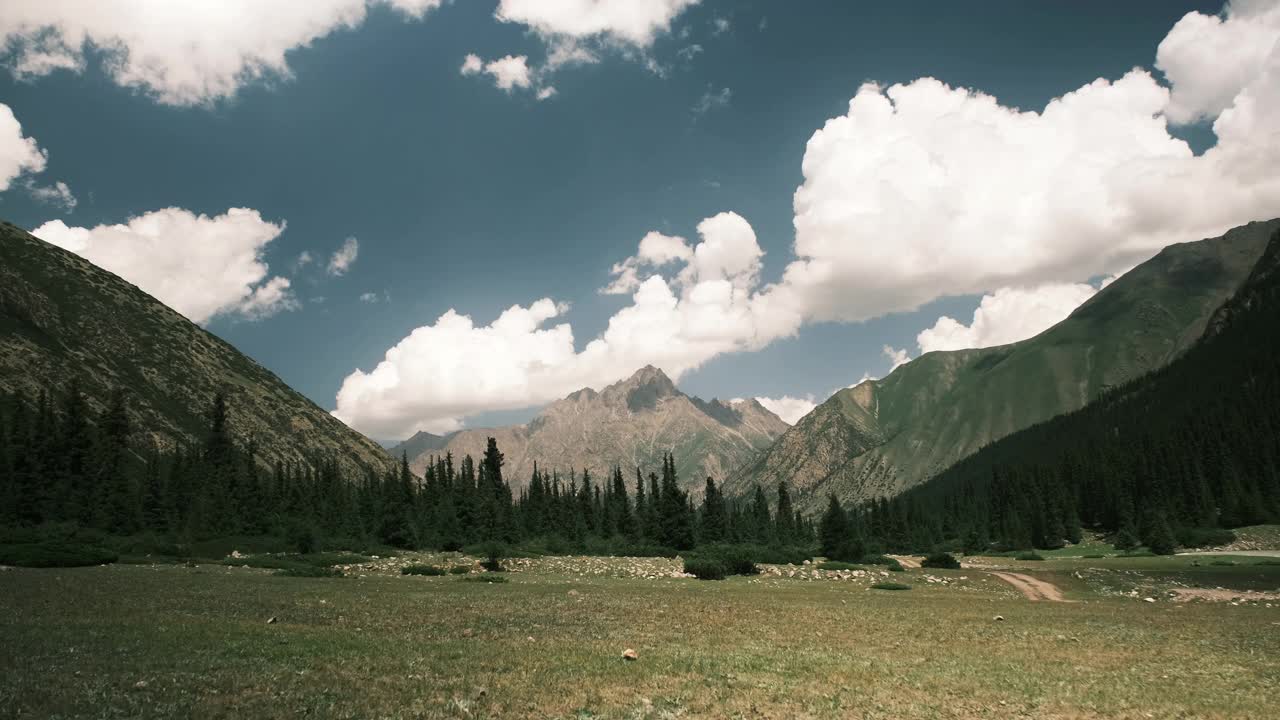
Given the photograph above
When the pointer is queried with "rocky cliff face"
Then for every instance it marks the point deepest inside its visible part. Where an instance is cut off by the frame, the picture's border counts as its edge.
(887, 435)
(631, 423)
(63, 317)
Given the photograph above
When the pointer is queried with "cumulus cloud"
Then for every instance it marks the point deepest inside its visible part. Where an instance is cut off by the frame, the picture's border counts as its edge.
(1006, 316)
(922, 190)
(180, 53)
(919, 191)
(200, 266)
(18, 154)
(577, 32)
(790, 409)
(343, 258)
(1211, 60)
(656, 250)
(443, 372)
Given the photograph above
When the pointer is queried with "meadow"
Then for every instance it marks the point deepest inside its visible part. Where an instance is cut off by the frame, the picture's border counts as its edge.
(215, 640)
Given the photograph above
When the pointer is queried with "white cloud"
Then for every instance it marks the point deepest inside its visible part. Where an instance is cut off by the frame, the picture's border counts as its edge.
(57, 194)
(656, 250)
(790, 409)
(1006, 316)
(441, 373)
(1211, 60)
(304, 259)
(897, 358)
(719, 26)
(180, 53)
(343, 258)
(374, 298)
(18, 154)
(919, 191)
(578, 32)
(712, 99)
(472, 65)
(510, 71)
(620, 21)
(200, 266)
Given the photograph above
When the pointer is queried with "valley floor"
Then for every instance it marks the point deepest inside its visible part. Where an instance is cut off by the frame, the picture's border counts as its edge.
(1140, 637)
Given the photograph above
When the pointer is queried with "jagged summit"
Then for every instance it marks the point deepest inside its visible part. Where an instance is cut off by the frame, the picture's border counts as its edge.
(631, 423)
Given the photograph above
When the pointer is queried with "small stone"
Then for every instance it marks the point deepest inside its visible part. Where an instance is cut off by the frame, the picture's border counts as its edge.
(998, 618)
(271, 620)
(140, 685)
(467, 632)
(1149, 599)
(630, 655)
(574, 593)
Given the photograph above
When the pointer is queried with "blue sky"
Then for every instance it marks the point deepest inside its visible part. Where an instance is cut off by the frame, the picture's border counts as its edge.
(465, 196)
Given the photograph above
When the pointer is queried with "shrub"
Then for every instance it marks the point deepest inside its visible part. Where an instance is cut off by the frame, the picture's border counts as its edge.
(54, 554)
(736, 559)
(431, 570)
(890, 586)
(941, 560)
(837, 565)
(1204, 537)
(850, 550)
(705, 568)
(1030, 555)
(486, 578)
(308, 571)
(1094, 556)
(459, 570)
(892, 564)
(1268, 561)
(1224, 563)
(494, 552)
(1137, 553)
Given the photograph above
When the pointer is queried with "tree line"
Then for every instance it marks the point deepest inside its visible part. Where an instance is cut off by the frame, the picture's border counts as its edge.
(62, 463)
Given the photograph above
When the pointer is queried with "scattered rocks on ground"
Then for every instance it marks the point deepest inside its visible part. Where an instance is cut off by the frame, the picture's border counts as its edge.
(271, 620)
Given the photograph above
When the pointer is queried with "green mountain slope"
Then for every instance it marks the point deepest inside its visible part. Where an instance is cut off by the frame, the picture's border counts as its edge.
(885, 436)
(62, 317)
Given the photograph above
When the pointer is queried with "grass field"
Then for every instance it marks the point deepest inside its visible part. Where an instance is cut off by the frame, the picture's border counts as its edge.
(177, 641)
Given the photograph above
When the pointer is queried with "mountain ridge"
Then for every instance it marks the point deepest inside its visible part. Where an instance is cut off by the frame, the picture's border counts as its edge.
(885, 436)
(630, 423)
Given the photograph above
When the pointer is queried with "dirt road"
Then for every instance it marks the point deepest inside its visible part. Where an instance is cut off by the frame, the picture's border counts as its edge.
(909, 563)
(1034, 590)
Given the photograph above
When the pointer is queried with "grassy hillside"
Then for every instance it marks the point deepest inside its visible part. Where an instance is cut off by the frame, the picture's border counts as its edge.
(62, 317)
(888, 435)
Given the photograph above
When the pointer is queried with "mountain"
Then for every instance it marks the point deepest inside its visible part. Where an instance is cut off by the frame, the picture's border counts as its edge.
(61, 317)
(630, 423)
(884, 436)
(422, 443)
(1193, 445)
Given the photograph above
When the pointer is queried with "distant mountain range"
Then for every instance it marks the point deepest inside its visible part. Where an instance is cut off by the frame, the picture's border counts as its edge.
(631, 423)
(885, 436)
(61, 317)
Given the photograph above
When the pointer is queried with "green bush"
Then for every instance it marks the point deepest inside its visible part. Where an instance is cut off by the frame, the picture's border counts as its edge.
(736, 559)
(705, 568)
(1137, 553)
(220, 547)
(1030, 555)
(1204, 537)
(308, 571)
(1093, 557)
(890, 586)
(942, 561)
(55, 554)
(485, 578)
(430, 570)
(1268, 561)
(837, 565)
(459, 570)
(891, 563)
(1224, 563)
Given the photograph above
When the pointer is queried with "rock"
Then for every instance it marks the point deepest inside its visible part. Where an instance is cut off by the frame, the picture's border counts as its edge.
(467, 632)
(235, 554)
(140, 685)
(998, 618)
(630, 655)
(271, 620)
(574, 593)
(1149, 599)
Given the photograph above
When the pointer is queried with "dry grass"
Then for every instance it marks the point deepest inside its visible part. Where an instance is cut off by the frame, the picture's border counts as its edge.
(548, 644)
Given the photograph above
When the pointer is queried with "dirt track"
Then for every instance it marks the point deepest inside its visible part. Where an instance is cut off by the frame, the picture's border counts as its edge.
(1034, 590)
(909, 563)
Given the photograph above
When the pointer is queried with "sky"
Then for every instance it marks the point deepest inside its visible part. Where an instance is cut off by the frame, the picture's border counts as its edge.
(427, 215)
